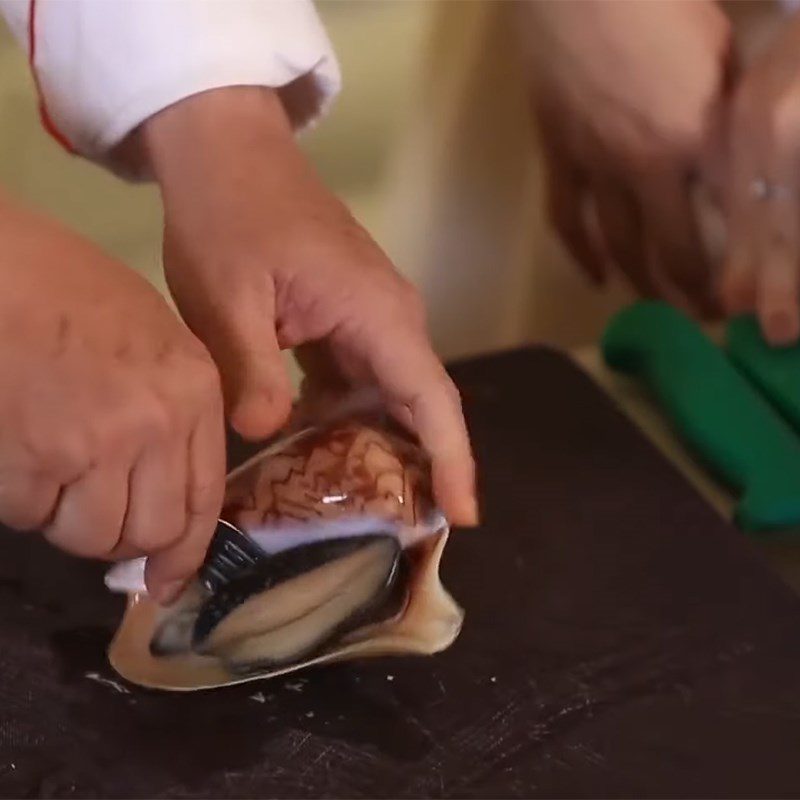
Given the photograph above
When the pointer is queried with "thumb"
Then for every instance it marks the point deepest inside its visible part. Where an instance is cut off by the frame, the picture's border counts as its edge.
(255, 382)
(262, 400)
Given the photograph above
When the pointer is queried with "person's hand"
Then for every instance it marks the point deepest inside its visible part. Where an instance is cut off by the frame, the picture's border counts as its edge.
(762, 193)
(111, 419)
(260, 257)
(626, 97)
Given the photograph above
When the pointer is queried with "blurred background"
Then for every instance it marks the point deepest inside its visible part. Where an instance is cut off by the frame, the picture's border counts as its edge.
(430, 145)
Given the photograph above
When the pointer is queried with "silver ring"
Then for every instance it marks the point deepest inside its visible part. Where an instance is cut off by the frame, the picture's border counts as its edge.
(762, 189)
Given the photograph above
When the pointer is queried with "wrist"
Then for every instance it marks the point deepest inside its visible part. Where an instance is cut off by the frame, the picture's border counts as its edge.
(187, 139)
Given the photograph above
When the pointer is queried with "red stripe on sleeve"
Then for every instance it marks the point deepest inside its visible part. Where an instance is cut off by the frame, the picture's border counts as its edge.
(47, 122)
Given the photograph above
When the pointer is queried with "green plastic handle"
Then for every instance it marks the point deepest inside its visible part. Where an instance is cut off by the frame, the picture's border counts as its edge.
(774, 370)
(728, 424)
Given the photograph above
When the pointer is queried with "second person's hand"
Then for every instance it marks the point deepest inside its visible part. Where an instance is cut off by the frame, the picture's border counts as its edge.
(627, 96)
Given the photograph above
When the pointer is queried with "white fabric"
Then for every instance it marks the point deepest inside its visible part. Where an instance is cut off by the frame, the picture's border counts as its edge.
(105, 66)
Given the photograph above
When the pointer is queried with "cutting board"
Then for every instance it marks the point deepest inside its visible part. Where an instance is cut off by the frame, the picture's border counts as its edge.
(621, 640)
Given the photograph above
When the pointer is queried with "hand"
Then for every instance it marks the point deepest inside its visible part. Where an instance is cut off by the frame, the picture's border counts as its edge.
(111, 423)
(763, 258)
(260, 257)
(626, 97)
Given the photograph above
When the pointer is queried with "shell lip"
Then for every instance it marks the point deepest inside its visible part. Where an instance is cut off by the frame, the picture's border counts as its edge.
(428, 622)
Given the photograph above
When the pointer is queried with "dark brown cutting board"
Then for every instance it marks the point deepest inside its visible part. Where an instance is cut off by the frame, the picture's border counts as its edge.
(620, 640)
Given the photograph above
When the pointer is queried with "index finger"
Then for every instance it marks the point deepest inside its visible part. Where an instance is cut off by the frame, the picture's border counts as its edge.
(168, 570)
(413, 380)
(675, 237)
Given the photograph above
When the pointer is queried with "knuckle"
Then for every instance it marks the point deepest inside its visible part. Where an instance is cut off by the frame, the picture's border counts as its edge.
(401, 303)
(46, 447)
(193, 555)
(25, 512)
(122, 430)
(152, 539)
(28, 519)
(208, 376)
(156, 421)
(202, 381)
(100, 547)
(205, 498)
(203, 505)
(69, 454)
(143, 540)
(448, 388)
(77, 543)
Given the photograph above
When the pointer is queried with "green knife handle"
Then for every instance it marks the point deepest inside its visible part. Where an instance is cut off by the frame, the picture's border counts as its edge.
(775, 371)
(714, 408)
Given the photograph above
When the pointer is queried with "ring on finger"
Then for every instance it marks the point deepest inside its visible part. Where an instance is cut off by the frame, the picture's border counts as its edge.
(765, 190)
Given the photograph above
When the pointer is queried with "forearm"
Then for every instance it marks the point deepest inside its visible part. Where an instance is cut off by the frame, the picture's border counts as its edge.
(190, 143)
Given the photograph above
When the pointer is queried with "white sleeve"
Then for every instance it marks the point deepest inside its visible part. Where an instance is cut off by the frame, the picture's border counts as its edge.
(102, 67)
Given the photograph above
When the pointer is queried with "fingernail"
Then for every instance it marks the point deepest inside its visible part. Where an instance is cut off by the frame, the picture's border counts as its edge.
(168, 592)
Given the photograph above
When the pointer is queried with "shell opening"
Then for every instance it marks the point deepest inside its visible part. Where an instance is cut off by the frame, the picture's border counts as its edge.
(287, 606)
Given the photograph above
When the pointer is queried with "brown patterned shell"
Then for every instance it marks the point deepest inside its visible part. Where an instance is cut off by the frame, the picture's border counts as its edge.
(348, 469)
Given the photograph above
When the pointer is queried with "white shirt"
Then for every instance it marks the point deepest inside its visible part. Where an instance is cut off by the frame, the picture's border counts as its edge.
(102, 67)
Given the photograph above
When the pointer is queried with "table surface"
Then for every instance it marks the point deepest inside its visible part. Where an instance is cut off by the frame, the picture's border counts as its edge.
(621, 640)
